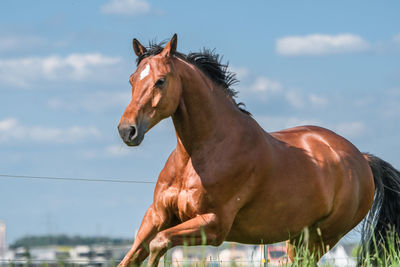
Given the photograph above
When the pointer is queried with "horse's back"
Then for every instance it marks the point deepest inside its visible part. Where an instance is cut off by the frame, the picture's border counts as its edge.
(304, 137)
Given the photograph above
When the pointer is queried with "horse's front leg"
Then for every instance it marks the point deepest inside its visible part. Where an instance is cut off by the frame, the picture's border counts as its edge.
(205, 229)
(140, 248)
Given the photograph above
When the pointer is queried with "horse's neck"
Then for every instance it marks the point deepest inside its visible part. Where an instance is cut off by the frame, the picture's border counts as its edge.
(203, 111)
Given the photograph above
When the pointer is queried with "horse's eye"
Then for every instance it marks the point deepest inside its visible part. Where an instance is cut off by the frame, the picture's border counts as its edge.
(160, 82)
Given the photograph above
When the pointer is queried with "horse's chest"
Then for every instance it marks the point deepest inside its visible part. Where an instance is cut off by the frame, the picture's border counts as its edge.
(187, 196)
(184, 203)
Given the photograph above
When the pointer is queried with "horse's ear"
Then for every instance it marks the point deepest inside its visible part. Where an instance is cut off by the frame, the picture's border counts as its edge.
(170, 48)
(138, 47)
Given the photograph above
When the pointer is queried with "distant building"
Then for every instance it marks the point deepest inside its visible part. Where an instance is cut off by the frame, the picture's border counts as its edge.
(3, 244)
(340, 256)
(228, 254)
(78, 256)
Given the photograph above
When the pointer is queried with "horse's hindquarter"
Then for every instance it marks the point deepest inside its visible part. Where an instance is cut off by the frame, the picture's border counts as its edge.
(315, 178)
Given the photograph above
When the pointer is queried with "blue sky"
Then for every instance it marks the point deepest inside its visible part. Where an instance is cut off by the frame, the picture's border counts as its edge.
(64, 69)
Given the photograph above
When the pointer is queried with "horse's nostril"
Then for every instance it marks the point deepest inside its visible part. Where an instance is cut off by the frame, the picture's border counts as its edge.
(132, 134)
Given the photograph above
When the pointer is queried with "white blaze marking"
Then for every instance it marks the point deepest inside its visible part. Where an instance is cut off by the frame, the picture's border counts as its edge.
(145, 72)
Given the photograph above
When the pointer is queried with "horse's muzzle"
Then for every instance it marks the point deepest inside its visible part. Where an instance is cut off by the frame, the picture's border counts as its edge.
(132, 135)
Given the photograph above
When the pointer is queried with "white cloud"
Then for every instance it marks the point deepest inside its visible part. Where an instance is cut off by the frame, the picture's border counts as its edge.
(396, 38)
(350, 129)
(263, 84)
(7, 124)
(114, 151)
(21, 72)
(11, 43)
(318, 100)
(276, 123)
(266, 89)
(295, 99)
(117, 150)
(95, 102)
(126, 7)
(320, 44)
(241, 72)
(12, 130)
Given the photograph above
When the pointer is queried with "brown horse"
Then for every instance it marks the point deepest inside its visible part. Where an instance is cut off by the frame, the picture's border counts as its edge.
(230, 180)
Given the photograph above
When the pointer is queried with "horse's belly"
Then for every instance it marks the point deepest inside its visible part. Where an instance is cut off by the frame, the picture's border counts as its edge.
(273, 219)
(262, 228)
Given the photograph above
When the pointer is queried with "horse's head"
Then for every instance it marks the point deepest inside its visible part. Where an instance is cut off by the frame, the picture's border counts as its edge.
(156, 90)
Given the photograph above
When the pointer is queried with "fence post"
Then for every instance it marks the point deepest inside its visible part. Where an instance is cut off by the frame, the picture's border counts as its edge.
(265, 255)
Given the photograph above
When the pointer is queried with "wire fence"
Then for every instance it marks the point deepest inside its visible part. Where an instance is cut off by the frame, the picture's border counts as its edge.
(111, 263)
(73, 179)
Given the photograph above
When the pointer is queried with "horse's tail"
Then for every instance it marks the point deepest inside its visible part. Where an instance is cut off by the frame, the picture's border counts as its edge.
(381, 227)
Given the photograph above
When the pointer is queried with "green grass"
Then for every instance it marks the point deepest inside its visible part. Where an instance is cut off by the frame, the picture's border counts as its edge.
(389, 256)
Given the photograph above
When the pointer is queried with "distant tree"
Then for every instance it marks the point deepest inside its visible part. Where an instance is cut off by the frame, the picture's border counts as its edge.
(64, 240)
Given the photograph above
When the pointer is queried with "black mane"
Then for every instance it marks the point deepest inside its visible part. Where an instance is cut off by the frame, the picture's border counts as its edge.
(207, 61)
